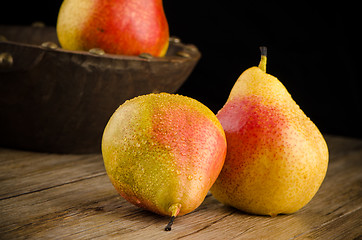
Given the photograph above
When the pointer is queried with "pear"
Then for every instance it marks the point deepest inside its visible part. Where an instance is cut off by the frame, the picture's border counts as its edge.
(127, 27)
(276, 156)
(163, 152)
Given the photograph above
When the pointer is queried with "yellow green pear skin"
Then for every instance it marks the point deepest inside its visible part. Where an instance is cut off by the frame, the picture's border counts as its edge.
(276, 156)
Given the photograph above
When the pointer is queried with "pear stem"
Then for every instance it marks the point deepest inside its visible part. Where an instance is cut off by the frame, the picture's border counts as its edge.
(168, 227)
(262, 64)
(174, 209)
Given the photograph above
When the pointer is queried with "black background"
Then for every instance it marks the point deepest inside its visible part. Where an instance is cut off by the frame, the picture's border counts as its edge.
(312, 49)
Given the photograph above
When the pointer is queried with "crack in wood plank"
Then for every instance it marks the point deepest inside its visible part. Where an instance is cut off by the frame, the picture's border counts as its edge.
(209, 225)
(54, 186)
(323, 225)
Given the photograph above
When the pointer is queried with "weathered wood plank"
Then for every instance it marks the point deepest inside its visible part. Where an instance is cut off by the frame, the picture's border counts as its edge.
(70, 197)
(347, 226)
(25, 172)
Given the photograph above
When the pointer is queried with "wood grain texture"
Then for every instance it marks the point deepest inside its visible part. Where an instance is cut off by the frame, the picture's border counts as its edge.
(51, 196)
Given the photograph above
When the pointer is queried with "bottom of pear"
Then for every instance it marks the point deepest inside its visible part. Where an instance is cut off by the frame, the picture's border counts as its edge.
(174, 209)
(273, 214)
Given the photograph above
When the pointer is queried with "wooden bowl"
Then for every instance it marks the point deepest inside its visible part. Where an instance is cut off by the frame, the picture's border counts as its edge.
(55, 100)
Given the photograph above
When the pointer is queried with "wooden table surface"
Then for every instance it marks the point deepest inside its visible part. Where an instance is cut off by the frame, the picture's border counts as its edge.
(51, 196)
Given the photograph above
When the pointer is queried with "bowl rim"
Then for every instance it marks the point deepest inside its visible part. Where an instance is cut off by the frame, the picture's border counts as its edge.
(186, 53)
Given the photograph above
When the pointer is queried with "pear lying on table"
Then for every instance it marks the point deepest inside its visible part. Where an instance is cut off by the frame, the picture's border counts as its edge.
(163, 152)
(276, 157)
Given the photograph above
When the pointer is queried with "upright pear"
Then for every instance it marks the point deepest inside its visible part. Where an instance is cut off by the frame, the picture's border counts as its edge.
(163, 152)
(276, 157)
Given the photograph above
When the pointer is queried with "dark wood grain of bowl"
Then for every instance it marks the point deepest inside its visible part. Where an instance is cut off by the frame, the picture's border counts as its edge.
(54, 100)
